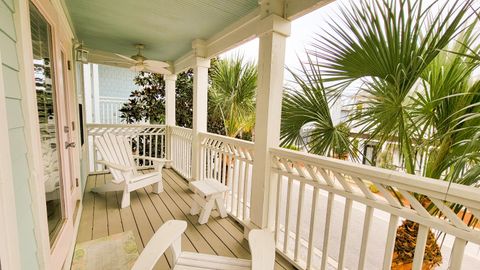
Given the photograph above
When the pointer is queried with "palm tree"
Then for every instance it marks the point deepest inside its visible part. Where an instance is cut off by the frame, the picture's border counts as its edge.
(417, 93)
(307, 104)
(232, 94)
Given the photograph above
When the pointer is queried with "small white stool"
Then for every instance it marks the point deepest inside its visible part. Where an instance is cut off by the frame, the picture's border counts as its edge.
(207, 193)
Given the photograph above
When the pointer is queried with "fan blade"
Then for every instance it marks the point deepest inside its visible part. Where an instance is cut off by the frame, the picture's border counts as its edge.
(137, 68)
(157, 70)
(155, 63)
(126, 58)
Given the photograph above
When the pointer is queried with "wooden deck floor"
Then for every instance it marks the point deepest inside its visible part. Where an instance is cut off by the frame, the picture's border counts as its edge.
(102, 216)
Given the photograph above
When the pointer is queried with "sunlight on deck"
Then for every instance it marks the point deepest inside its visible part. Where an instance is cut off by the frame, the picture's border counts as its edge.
(102, 216)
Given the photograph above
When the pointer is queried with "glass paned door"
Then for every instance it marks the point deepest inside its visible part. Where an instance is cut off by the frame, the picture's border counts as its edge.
(49, 121)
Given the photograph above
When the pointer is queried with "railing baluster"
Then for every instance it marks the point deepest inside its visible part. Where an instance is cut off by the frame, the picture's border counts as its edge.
(287, 216)
(390, 245)
(343, 239)
(420, 247)
(277, 210)
(366, 232)
(313, 224)
(326, 234)
(298, 228)
(456, 256)
(245, 191)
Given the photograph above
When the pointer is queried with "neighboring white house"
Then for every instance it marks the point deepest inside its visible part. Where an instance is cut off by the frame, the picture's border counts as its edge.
(109, 88)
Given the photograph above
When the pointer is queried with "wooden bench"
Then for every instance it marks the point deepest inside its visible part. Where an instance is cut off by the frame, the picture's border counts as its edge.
(208, 192)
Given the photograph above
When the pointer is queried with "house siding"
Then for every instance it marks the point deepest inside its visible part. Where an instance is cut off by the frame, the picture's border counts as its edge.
(115, 82)
(17, 139)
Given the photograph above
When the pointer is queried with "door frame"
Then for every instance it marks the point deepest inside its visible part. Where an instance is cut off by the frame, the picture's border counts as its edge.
(60, 28)
(9, 246)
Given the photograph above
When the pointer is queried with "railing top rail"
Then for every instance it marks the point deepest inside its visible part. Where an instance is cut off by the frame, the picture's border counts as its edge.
(181, 128)
(124, 126)
(457, 193)
(239, 142)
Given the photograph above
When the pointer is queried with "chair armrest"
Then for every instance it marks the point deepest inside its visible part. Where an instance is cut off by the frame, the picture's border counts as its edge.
(116, 166)
(159, 160)
(262, 246)
(166, 236)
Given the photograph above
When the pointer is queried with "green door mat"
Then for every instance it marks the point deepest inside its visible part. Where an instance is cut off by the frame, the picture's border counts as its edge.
(118, 251)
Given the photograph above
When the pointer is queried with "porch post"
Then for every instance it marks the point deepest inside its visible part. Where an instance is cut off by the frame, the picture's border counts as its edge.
(170, 99)
(169, 112)
(274, 31)
(200, 97)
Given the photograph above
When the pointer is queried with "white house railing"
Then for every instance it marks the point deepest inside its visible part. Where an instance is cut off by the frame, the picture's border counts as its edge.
(181, 150)
(326, 216)
(110, 109)
(229, 161)
(322, 210)
(147, 140)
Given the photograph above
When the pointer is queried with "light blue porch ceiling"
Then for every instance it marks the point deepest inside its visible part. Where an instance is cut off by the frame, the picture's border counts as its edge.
(166, 27)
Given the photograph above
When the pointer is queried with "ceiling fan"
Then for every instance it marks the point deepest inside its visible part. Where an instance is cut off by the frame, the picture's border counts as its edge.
(139, 62)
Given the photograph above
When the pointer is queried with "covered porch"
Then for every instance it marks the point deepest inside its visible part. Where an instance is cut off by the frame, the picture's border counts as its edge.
(102, 216)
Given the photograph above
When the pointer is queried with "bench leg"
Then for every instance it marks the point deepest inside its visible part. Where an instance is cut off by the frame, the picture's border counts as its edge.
(195, 209)
(206, 211)
(221, 206)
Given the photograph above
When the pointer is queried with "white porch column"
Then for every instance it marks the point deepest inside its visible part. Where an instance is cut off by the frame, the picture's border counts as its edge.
(170, 99)
(271, 60)
(169, 112)
(200, 98)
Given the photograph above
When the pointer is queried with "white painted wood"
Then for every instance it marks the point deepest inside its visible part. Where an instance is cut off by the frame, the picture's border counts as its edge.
(420, 247)
(313, 223)
(456, 256)
(390, 243)
(9, 246)
(169, 236)
(200, 94)
(165, 236)
(117, 152)
(326, 233)
(344, 238)
(365, 234)
(209, 192)
(299, 221)
(271, 62)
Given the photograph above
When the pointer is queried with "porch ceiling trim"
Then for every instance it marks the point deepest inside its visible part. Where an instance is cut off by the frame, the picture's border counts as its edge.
(243, 30)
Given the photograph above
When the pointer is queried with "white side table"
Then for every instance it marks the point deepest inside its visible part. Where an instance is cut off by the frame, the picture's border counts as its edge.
(207, 193)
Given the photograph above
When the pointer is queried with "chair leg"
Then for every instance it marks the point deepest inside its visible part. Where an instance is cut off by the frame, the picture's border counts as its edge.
(158, 187)
(125, 198)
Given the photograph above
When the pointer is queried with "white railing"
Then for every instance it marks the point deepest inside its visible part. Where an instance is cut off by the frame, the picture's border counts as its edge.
(147, 140)
(110, 109)
(229, 161)
(326, 216)
(181, 150)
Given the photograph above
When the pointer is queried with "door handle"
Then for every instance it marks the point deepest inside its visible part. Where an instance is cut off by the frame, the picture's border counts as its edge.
(69, 144)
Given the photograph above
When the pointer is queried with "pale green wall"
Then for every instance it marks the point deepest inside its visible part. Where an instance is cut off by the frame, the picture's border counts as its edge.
(16, 129)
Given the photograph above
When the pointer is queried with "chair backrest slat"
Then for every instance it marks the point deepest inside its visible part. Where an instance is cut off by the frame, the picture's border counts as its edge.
(116, 149)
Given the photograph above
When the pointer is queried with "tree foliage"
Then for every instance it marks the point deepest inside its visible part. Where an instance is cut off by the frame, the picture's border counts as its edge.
(232, 95)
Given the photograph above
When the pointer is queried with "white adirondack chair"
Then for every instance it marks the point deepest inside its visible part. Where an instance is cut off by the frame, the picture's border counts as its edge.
(262, 247)
(117, 155)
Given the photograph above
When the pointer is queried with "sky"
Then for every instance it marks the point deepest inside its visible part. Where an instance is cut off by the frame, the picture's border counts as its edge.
(304, 29)
(302, 34)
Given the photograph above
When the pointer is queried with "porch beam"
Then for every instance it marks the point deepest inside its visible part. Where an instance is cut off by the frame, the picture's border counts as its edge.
(297, 8)
(200, 98)
(273, 32)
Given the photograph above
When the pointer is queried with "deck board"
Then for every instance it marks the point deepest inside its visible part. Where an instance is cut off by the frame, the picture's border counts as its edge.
(102, 216)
